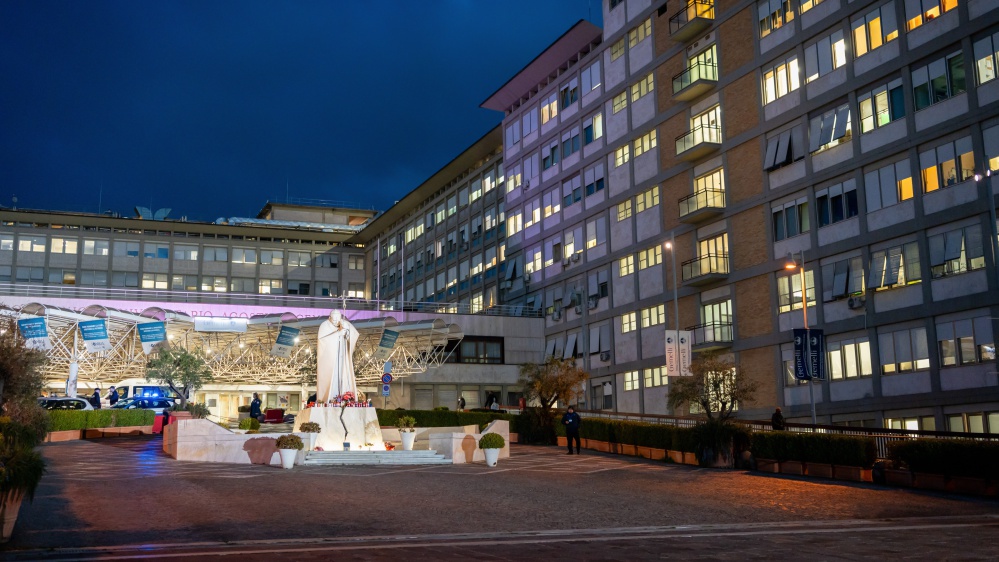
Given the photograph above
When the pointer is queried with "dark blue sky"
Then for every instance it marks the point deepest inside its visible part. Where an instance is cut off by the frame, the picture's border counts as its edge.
(211, 107)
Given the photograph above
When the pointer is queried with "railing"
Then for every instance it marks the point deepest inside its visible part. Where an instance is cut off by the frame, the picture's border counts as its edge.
(698, 135)
(705, 265)
(304, 201)
(695, 72)
(712, 332)
(694, 9)
(41, 292)
(704, 199)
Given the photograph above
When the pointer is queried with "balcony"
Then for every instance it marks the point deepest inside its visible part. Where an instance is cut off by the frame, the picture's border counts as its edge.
(701, 141)
(698, 79)
(702, 205)
(694, 18)
(712, 335)
(704, 270)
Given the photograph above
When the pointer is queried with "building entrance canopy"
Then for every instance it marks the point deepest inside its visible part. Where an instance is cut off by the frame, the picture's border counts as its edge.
(238, 349)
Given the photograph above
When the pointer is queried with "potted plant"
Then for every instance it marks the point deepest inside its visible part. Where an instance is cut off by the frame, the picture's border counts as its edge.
(247, 424)
(407, 430)
(312, 428)
(491, 443)
(289, 446)
(244, 412)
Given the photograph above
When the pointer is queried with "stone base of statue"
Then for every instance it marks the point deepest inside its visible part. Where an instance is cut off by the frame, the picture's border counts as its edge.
(361, 427)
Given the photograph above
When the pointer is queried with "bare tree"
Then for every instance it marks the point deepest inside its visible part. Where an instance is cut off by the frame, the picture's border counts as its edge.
(183, 371)
(546, 384)
(717, 385)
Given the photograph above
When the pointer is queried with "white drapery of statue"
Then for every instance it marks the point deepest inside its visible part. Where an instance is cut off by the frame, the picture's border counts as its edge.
(334, 358)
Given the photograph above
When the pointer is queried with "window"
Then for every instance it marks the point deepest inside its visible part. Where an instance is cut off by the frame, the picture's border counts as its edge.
(881, 106)
(590, 77)
(638, 34)
(532, 261)
(184, 283)
(355, 290)
(440, 214)
(655, 376)
(299, 259)
(64, 245)
(549, 154)
(480, 350)
(96, 278)
(647, 199)
(874, 29)
(894, 267)
(549, 108)
(327, 289)
(918, 12)
(780, 79)
(621, 156)
(552, 202)
(774, 14)
(938, 81)
(244, 255)
(572, 191)
(888, 185)
(532, 212)
(836, 203)
(332, 261)
(570, 142)
(529, 122)
(790, 219)
(617, 49)
(272, 257)
(210, 253)
(515, 224)
(842, 279)
(452, 205)
(904, 351)
(789, 290)
(624, 210)
(7, 242)
(653, 316)
(355, 262)
(709, 123)
(463, 197)
(849, 358)
(242, 285)
(808, 5)
(596, 232)
(964, 342)
(216, 284)
(185, 253)
(947, 164)
(620, 102)
(650, 257)
(30, 274)
(569, 92)
(31, 244)
(986, 56)
(830, 129)
(626, 266)
(593, 128)
(957, 251)
(123, 279)
(512, 134)
(95, 247)
(270, 287)
(825, 56)
(628, 322)
(631, 380)
(784, 148)
(125, 248)
(62, 276)
(154, 281)
(594, 177)
(645, 143)
(641, 88)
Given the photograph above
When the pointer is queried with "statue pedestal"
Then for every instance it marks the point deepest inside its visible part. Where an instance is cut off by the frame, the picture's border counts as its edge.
(361, 427)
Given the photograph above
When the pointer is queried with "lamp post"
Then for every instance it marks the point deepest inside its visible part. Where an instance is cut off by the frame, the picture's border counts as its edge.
(671, 245)
(791, 266)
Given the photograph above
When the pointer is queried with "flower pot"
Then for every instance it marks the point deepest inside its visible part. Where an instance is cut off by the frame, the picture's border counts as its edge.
(796, 468)
(967, 485)
(937, 482)
(819, 470)
(768, 465)
(896, 477)
(561, 441)
(10, 503)
(408, 438)
(239, 431)
(675, 456)
(644, 452)
(690, 458)
(492, 455)
(288, 457)
(623, 449)
(852, 473)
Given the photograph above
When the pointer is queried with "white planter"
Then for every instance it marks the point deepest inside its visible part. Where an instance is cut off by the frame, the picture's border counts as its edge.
(408, 438)
(240, 431)
(288, 457)
(492, 455)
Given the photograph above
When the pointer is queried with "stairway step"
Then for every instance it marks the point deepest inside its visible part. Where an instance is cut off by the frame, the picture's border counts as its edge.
(360, 458)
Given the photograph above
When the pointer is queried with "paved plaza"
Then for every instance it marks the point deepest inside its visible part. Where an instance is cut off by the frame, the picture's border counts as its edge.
(123, 499)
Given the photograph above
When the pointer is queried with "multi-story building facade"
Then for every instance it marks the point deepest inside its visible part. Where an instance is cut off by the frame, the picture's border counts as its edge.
(850, 133)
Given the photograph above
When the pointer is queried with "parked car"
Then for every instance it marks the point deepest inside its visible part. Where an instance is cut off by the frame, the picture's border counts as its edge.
(64, 403)
(156, 404)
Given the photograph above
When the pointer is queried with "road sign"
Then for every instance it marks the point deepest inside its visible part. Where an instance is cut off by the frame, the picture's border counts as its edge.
(386, 378)
(385, 390)
(808, 348)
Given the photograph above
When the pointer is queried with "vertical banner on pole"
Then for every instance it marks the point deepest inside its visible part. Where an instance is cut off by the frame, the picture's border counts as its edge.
(152, 335)
(35, 333)
(285, 342)
(800, 367)
(685, 354)
(672, 354)
(816, 345)
(386, 345)
(95, 335)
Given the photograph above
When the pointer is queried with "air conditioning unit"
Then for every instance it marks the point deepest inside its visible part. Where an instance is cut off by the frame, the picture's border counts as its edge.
(565, 262)
(856, 302)
(605, 356)
(557, 314)
(575, 257)
(579, 309)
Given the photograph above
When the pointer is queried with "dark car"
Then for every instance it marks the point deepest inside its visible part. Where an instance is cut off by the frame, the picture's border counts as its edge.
(154, 403)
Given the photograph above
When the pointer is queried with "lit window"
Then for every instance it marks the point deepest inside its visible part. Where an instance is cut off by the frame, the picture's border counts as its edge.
(830, 129)
(645, 143)
(617, 49)
(986, 57)
(903, 351)
(549, 108)
(637, 35)
(621, 156)
(888, 185)
(624, 210)
(893, 267)
(641, 88)
(918, 12)
(824, 56)
(874, 29)
(774, 14)
(957, 251)
(593, 128)
(650, 257)
(881, 106)
(628, 323)
(946, 165)
(626, 266)
(789, 290)
(647, 199)
(653, 316)
(620, 102)
(780, 79)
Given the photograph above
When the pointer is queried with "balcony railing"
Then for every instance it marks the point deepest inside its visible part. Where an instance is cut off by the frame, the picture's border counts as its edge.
(700, 141)
(711, 335)
(701, 75)
(705, 269)
(702, 205)
(693, 18)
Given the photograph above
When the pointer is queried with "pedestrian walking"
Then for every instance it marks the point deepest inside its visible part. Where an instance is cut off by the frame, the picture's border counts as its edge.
(777, 421)
(255, 408)
(113, 396)
(571, 421)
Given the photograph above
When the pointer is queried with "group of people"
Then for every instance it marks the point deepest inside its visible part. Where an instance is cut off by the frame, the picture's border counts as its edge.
(97, 401)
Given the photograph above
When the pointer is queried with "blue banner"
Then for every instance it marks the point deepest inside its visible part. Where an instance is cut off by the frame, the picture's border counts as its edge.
(808, 348)
(386, 345)
(95, 335)
(152, 335)
(35, 333)
(285, 342)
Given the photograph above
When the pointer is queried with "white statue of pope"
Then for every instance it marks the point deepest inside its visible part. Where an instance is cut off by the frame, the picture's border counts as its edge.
(334, 358)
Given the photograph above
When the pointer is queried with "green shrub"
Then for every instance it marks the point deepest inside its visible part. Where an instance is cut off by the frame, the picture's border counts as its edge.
(63, 420)
(310, 427)
(843, 450)
(21, 466)
(491, 441)
(290, 441)
(684, 439)
(243, 409)
(951, 457)
(249, 423)
(445, 418)
(405, 423)
(441, 409)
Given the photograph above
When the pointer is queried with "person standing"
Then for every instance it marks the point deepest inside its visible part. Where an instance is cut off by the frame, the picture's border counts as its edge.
(113, 396)
(461, 403)
(777, 421)
(571, 421)
(255, 408)
(95, 400)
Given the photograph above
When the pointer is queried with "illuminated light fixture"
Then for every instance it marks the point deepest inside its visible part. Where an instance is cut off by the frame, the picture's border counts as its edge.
(241, 345)
(790, 265)
(296, 340)
(169, 336)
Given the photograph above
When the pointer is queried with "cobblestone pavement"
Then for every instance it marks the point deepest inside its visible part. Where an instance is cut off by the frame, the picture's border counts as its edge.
(101, 498)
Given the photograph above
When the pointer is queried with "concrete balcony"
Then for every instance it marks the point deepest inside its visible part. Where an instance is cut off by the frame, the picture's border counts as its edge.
(698, 143)
(704, 270)
(712, 335)
(699, 79)
(702, 206)
(691, 20)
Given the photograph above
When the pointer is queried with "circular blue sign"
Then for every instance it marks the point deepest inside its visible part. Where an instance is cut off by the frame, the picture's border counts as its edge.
(386, 378)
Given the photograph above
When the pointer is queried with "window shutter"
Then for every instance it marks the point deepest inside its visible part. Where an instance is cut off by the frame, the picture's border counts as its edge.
(594, 339)
(973, 242)
(894, 262)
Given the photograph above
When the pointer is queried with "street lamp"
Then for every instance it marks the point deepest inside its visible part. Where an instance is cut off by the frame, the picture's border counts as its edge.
(790, 265)
(671, 245)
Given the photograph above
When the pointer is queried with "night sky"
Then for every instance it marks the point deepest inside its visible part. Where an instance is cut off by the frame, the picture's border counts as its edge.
(212, 108)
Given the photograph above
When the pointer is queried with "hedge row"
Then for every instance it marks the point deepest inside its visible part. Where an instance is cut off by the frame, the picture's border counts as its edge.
(63, 420)
(655, 436)
(951, 457)
(446, 418)
(843, 450)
